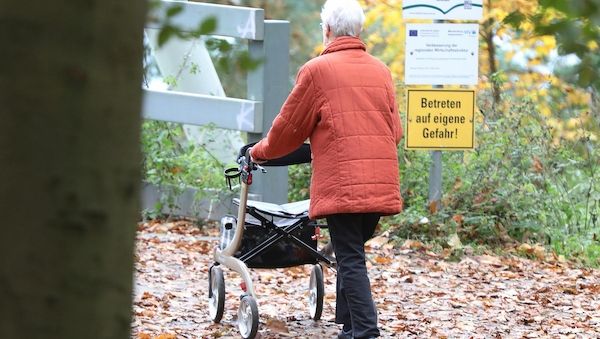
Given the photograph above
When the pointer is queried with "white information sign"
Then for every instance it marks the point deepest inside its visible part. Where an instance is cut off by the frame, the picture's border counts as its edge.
(441, 54)
(442, 9)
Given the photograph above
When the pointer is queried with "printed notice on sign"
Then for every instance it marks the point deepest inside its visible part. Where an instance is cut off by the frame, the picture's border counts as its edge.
(442, 9)
(441, 54)
(440, 119)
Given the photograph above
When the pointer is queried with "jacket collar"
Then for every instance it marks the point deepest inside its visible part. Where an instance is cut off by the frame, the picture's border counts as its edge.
(344, 42)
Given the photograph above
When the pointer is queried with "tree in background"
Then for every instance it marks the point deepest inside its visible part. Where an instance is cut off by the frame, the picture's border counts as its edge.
(70, 74)
(546, 57)
(574, 26)
(519, 58)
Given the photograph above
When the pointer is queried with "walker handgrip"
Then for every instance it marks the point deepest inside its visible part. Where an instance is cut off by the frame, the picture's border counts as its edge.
(249, 158)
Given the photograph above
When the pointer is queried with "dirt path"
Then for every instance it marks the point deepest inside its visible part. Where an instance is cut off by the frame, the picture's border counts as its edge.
(418, 294)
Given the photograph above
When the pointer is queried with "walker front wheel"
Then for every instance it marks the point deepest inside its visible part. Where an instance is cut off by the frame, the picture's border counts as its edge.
(248, 317)
(216, 294)
(316, 292)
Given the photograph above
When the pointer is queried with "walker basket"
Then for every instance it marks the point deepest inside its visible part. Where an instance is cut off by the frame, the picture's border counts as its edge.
(258, 252)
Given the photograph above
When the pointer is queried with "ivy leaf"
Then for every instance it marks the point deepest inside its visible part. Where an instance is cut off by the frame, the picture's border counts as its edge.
(587, 72)
(562, 6)
(166, 32)
(207, 26)
(515, 19)
(174, 10)
(247, 62)
(223, 63)
(224, 46)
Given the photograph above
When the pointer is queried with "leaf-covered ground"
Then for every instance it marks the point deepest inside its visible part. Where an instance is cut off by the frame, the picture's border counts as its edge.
(418, 294)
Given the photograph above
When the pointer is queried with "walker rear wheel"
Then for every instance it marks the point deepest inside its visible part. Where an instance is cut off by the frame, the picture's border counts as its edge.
(216, 294)
(316, 292)
(248, 317)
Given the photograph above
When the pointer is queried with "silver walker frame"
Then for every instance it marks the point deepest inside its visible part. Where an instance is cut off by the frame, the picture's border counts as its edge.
(248, 311)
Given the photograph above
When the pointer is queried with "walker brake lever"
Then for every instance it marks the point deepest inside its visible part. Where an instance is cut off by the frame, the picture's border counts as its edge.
(259, 167)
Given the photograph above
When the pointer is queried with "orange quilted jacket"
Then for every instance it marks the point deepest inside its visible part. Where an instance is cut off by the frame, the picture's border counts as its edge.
(344, 101)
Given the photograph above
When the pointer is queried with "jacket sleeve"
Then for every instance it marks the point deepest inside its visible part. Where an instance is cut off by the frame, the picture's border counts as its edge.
(396, 122)
(295, 121)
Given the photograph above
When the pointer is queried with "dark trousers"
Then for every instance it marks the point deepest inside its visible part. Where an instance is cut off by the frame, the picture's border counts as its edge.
(354, 303)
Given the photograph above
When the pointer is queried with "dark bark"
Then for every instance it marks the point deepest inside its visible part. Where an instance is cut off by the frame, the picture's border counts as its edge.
(488, 36)
(70, 75)
(491, 50)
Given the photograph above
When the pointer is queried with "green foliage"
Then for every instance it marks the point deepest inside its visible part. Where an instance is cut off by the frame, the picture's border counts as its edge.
(514, 19)
(576, 26)
(232, 58)
(228, 56)
(175, 165)
(299, 182)
(516, 186)
(169, 29)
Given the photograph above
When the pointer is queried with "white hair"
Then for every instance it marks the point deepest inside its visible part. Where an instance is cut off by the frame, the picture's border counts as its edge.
(344, 17)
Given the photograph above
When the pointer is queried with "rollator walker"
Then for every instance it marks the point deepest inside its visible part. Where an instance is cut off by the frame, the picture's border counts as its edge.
(265, 235)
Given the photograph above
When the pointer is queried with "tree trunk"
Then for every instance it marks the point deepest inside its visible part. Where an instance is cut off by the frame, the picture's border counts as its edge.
(70, 98)
(488, 36)
(595, 104)
(491, 50)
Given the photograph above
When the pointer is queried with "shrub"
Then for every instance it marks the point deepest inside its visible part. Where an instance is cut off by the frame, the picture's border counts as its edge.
(517, 185)
(174, 164)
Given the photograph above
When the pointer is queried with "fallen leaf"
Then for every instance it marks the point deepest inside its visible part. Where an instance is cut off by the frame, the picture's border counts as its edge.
(407, 279)
(417, 293)
(539, 252)
(377, 242)
(536, 250)
(490, 260)
(446, 253)
(166, 336)
(382, 260)
(570, 290)
(454, 242)
(537, 165)
(277, 325)
(457, 183)
(458, 218)
(433, 207)
(412, 244)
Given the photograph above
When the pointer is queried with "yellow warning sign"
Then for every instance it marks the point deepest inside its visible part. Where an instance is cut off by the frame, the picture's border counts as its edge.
(440, 119)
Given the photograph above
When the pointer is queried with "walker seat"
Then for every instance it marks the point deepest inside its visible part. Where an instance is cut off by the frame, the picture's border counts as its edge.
(278, 236)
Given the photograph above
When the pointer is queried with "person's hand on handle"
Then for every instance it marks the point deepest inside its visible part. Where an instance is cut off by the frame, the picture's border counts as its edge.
(254, 160)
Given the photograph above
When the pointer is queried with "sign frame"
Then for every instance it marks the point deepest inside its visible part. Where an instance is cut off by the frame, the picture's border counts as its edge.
(442, 9)
(441, 54)
(410, 129)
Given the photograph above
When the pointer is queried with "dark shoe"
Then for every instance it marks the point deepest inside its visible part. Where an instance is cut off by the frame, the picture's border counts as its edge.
(345, 334)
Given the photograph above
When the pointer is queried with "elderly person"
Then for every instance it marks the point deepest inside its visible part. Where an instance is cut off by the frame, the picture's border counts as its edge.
(344, 101)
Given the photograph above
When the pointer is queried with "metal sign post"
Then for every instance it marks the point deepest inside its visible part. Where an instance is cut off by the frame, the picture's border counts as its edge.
(435, 172)
(435, 181)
